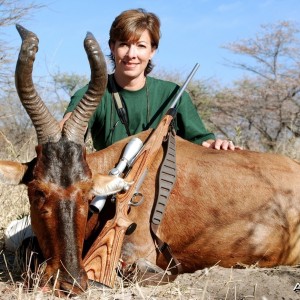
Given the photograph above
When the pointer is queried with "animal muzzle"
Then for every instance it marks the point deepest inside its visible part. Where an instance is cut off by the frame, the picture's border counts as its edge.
(73, 288)
(67, 284)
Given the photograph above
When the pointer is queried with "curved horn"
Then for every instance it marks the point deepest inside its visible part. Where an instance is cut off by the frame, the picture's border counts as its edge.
(75, 127)
(47, 128)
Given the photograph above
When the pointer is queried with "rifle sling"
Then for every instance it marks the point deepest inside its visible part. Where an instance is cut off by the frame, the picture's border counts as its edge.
(167, 178)
(119, 104)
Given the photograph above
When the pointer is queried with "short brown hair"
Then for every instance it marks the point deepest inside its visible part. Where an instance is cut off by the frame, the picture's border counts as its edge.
(130, 25)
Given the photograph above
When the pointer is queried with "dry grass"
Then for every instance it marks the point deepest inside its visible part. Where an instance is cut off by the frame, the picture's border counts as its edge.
(212, 283)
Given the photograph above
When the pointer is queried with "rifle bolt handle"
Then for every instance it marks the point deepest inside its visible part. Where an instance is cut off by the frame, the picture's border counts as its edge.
(131, 228)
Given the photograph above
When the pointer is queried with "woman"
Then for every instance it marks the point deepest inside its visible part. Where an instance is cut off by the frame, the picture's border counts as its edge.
(134, 39)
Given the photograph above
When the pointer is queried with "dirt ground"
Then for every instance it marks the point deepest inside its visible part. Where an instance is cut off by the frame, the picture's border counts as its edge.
(213, 283)
(250, 283)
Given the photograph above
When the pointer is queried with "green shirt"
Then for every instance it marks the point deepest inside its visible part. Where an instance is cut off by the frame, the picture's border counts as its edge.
(145, 108)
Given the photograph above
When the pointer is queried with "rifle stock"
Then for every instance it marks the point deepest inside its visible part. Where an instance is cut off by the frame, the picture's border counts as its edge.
(101, 261)
(102, 258)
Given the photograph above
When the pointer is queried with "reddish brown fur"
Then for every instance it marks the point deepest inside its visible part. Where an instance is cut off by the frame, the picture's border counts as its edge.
(226, 207)
(48, 228)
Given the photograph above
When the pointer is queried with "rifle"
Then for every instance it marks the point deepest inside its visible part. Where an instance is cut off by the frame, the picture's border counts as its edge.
(101, 260)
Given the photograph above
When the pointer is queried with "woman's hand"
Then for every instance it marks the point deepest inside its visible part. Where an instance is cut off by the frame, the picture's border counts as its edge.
(219, 144)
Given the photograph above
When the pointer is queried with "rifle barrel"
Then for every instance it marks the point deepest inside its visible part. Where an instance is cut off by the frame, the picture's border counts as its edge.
(183, 87)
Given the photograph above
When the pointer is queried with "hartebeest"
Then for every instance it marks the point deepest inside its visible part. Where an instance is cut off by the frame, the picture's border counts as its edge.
(227, 207)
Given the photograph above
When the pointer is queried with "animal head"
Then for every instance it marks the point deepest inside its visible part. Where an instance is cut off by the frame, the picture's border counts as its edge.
(59, 195)
(59, 179)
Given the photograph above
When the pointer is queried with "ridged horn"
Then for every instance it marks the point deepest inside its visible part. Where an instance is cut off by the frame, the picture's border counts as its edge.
(47, 128)
(75, 127)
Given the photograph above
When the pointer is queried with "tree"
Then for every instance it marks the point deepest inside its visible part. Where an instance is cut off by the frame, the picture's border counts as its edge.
(11, 12)
(64, 86)
(14, 124)
(200, 91)
(265, 105)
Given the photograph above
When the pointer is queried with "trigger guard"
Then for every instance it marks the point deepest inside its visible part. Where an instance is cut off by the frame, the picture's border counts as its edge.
(136, 203)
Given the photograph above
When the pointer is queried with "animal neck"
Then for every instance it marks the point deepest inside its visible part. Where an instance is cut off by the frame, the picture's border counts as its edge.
(104, 160)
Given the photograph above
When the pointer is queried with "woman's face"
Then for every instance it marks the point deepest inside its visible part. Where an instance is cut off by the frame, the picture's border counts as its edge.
(131, 58)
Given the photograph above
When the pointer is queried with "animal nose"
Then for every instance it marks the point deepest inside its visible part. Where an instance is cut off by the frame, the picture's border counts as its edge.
(72, 285)
(72, 288)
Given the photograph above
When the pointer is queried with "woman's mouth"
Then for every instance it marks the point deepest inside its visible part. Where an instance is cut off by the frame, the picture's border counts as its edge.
(130, 65)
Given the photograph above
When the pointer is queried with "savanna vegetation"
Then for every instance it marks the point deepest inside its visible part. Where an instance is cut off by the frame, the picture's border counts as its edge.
(260, 110)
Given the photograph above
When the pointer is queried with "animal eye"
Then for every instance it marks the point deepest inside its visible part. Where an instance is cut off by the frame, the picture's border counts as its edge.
(39, 194)
(39, 198)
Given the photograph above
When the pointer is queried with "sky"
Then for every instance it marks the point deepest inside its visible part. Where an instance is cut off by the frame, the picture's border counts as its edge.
(193, 31)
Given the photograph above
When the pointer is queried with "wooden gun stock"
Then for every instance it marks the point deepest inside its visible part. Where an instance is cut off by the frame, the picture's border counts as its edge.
(101, 261)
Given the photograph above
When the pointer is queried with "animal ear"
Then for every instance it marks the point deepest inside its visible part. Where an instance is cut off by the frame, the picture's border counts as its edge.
(105, 185)
(12, 172)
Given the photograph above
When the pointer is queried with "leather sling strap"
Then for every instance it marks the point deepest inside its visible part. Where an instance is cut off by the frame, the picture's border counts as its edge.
(167, 178)
(119, 104)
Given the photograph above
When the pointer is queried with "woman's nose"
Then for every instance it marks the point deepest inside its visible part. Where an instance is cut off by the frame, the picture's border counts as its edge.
(132, 51)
